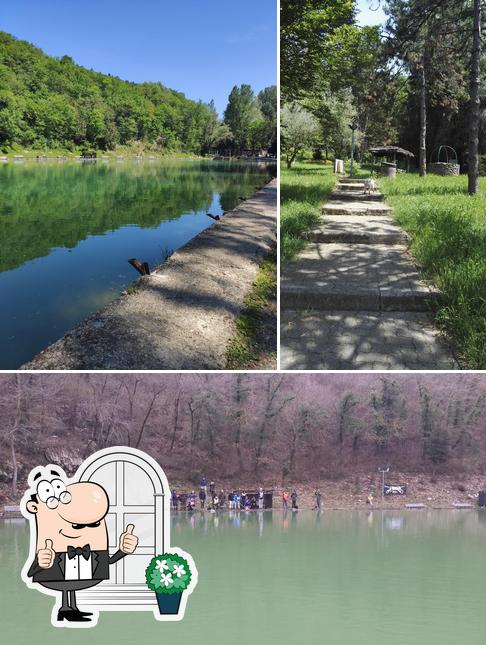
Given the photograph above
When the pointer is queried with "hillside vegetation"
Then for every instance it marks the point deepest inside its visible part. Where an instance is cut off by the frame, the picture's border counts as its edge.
(50, 103)
(268, 428)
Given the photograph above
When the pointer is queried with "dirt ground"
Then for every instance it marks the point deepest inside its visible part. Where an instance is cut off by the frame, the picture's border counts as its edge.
(441, 491)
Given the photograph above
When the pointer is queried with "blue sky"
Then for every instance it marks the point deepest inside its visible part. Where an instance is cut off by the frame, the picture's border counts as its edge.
(199, 47)
(370, 12)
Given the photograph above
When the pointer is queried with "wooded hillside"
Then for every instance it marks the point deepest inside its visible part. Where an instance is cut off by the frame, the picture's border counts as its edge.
(247, 428)
(47, 102)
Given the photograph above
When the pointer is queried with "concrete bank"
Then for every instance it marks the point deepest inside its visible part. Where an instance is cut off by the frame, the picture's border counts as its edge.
(183, 316)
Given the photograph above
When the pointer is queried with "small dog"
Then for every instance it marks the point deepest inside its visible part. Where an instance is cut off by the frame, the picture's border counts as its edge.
(369, 186)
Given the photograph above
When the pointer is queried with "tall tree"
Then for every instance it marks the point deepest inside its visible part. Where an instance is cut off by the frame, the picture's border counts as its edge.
(239, 114)
(475, 87)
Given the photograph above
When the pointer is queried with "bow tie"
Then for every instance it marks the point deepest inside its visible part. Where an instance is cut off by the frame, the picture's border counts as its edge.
(73, 551)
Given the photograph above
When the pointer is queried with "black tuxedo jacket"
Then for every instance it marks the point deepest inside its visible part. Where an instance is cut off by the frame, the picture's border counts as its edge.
(100, 563)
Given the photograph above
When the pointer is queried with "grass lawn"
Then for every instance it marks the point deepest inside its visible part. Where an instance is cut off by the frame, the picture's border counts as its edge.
(303, 190)
(448, 233)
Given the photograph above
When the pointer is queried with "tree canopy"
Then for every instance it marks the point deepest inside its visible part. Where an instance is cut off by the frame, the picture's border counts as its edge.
(412, 82)
(47, 103)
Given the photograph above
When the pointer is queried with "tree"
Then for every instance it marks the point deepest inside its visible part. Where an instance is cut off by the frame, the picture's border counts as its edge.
(334, 111)
(389, 412)
(239, 114)
(475, 86)
(300, 130)
(348, 424)
(429, 37)
(307, 32)
(267, 102)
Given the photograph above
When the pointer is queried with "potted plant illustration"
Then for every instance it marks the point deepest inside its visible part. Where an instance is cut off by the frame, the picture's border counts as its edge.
(168, 575)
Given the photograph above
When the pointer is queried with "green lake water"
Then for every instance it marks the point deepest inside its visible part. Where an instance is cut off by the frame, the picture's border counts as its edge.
(341, 578)
(67, 231)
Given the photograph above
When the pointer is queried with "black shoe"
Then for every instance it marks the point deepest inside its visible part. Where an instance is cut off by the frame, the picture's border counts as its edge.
(71, 615)
(84, 613)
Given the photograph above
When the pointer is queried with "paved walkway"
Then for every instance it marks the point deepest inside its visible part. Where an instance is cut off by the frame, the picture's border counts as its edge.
(353, 298)
(183, 316)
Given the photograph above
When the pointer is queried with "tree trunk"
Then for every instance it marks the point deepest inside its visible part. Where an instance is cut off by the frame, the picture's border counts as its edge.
(423, 121)
(239, 393)
(473, 161)
(13, 434)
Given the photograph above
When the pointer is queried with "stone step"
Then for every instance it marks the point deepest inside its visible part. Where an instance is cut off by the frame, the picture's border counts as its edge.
(354, 186)
(358, 277)
(358, 230)
(355, 195)
(348, 340)
(361, 207)
(349, 180)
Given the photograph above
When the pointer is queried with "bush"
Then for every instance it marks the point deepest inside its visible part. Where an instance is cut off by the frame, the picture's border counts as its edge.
(168, 573)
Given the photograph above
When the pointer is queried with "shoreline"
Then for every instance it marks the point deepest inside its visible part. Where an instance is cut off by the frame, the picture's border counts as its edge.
(40, 156)
(183, 315)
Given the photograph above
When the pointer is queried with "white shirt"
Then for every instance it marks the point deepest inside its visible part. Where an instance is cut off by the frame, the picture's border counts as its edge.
(78, 568)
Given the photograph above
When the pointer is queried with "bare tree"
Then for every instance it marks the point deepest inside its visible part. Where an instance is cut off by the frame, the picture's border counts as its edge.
(14, 431)
(273, 405)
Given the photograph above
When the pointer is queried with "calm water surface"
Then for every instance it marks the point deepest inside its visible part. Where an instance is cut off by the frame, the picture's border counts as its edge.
(67, 231)
(338, 578)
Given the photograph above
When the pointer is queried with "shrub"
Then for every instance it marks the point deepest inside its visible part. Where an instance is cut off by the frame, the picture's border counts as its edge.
(168, 573)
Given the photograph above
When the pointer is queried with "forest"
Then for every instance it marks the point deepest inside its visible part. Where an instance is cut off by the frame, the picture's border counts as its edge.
(413, 81)
(267, 428)
(49, 103)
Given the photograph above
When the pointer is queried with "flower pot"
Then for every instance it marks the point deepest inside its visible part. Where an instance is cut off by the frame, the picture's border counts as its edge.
(169, 603)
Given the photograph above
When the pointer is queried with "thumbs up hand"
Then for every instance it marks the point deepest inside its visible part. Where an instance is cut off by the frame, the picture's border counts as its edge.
(45, 556)
(128, 541)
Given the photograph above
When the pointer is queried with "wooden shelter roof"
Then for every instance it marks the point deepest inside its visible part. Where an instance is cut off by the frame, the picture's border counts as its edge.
(390, 150)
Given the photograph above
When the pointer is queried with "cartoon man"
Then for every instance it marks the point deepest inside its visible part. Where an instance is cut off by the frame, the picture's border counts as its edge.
(71, 537)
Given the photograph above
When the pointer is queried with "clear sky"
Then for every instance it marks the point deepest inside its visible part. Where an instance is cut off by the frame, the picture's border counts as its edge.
(199, 47)
(370, 12)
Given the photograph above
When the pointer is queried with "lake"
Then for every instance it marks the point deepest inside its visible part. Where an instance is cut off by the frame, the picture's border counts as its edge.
(68, 229)
(343, 578)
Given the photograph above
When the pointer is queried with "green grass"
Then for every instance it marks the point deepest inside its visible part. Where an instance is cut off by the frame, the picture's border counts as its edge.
(303, 190)
(254, 344)
(448, 238)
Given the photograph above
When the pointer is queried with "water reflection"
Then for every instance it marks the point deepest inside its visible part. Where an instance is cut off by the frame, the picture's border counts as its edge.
(67, 231)
(273, 576)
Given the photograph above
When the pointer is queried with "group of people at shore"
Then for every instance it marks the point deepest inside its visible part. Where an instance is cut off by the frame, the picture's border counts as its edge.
(208, 498)
(212, 500)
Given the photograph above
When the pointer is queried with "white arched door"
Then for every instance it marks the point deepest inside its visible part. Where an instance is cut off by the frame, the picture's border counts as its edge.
(136, 492)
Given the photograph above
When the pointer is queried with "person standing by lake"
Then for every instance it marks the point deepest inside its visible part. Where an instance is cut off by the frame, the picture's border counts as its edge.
(369, 500)
(293, 497)
(212, 489)
(204, 485)
(174, 500)
(202, 497)
(261, 497)
(318, 496)
(285, 500)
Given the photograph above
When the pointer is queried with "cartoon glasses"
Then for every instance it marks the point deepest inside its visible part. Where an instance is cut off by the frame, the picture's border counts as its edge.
(53, 492)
